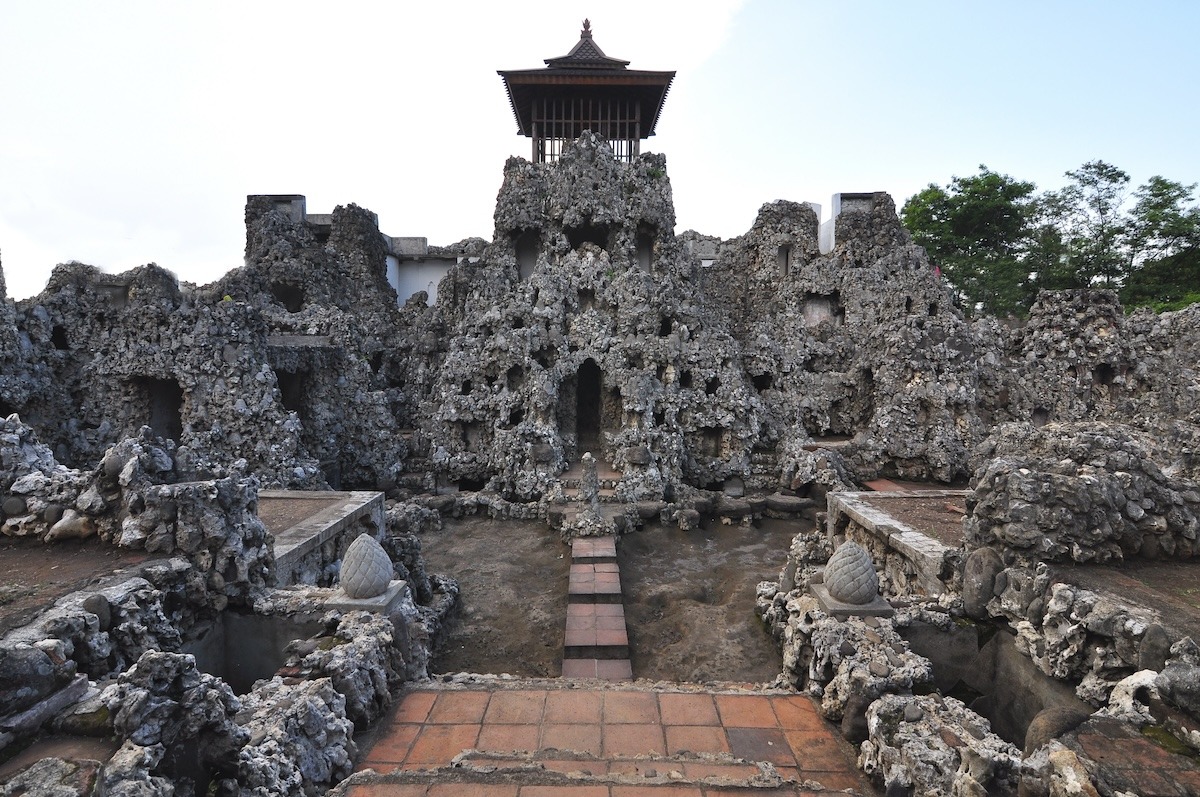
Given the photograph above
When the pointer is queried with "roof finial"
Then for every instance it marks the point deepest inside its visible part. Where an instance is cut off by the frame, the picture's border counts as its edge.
(586, 33)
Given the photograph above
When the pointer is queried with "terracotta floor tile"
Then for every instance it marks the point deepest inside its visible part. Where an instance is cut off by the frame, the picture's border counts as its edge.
(508, 738)
(745, 711)
(696, 771)
(609, 610)
(837, 781)
(438, 744)
(612, 637)
(392, 747)
(577, 737)
(472, 790)
(797, 712)
(414, 707)
(568, 766)
(572, 706)
(564, 791)
(609, 621)
(516, 707)
(387, 790)
(633, 740)
(656, 791)
(630, 707)
(818, 751)
(579, 668)
(614, 670)
(760, 744)
(688, 709)
(696, 739)
(456, 708)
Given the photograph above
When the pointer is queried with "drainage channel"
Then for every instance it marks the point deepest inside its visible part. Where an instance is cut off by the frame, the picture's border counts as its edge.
(596, 644)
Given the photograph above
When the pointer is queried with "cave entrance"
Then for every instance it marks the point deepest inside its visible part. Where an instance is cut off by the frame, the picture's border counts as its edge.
(588, 407)
(162, 406)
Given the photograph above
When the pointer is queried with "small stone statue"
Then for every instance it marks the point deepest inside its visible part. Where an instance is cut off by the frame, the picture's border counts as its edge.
(850, 575)
(589, 488)
(366, 568)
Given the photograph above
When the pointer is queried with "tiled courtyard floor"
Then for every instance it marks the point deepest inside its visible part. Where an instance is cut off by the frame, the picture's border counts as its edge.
(627, 733)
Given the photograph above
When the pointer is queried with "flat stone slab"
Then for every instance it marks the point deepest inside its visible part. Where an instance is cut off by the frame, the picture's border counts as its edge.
(335, 513)
(587, 548)
(384, 604)
(835, 608)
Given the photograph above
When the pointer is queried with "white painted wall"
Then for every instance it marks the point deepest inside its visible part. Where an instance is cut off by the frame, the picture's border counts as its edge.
(410, 276)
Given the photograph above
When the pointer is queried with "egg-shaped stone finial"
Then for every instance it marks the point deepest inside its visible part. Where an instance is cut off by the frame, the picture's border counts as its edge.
(366, 568)
(850, 575)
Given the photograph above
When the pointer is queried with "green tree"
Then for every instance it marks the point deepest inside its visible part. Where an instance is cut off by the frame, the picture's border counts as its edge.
(1088, 215)
(1164, 236)
(976, 230)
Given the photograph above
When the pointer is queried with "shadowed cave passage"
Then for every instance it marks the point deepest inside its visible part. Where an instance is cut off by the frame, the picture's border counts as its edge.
(587, 407)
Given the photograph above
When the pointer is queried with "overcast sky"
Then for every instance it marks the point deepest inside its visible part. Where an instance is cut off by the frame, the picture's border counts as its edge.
(131, 132)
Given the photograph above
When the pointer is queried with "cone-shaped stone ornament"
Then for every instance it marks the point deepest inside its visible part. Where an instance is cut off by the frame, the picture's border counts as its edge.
(850, 575)
(366, 568)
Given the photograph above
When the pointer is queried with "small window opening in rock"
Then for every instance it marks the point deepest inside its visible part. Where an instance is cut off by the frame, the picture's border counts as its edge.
(6, 409)
(536, 294)
(518, 323)
(587, 299)
(635, 360)
(783, 259)
(685, 379)
(712, 437)
(58, 337)
(933, 308)
(465, 388)
(293, 386)
(588, 233)
(513, 377)
(289, 297)
(1103, 374)
(331, 470)
(472, 435)
(526, 250)
(712, 386)
(908, 304)
(660, 417)
(516, 416)
(645, 248)
(376, 361)
(588, 406)
(661, 372)
(544, 357)
(763, 382)
(665, 326)
(818, 308)
(715, 487)
(1040, 416)
(164, 406)
(468, 485)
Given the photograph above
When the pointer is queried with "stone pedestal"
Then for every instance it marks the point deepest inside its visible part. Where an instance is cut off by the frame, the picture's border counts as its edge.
(877, 607)
(385, 604)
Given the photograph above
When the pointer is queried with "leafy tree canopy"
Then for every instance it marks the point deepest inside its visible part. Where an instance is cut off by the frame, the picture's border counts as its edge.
(998, 242)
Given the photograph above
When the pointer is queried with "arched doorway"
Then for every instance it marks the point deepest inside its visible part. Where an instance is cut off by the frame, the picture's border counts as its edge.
(588, 407)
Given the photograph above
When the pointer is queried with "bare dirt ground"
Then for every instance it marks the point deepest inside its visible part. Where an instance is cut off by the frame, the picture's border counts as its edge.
(33, 574)
(938, 516)
(513, 577)
(689, 598)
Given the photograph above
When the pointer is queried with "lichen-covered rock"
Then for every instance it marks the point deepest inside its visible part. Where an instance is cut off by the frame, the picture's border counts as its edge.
(300, 741)
(359, 658)
(936, 746)
(1087, 491)
(366, 568)
(850, 575)
(164, 703)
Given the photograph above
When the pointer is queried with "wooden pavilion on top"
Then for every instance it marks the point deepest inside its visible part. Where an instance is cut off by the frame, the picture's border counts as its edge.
(586, 90)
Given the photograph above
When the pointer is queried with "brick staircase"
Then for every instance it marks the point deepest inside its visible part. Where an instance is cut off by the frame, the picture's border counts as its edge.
(596, 644)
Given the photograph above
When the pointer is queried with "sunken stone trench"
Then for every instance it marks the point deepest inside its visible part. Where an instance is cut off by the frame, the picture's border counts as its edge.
(184, 468)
